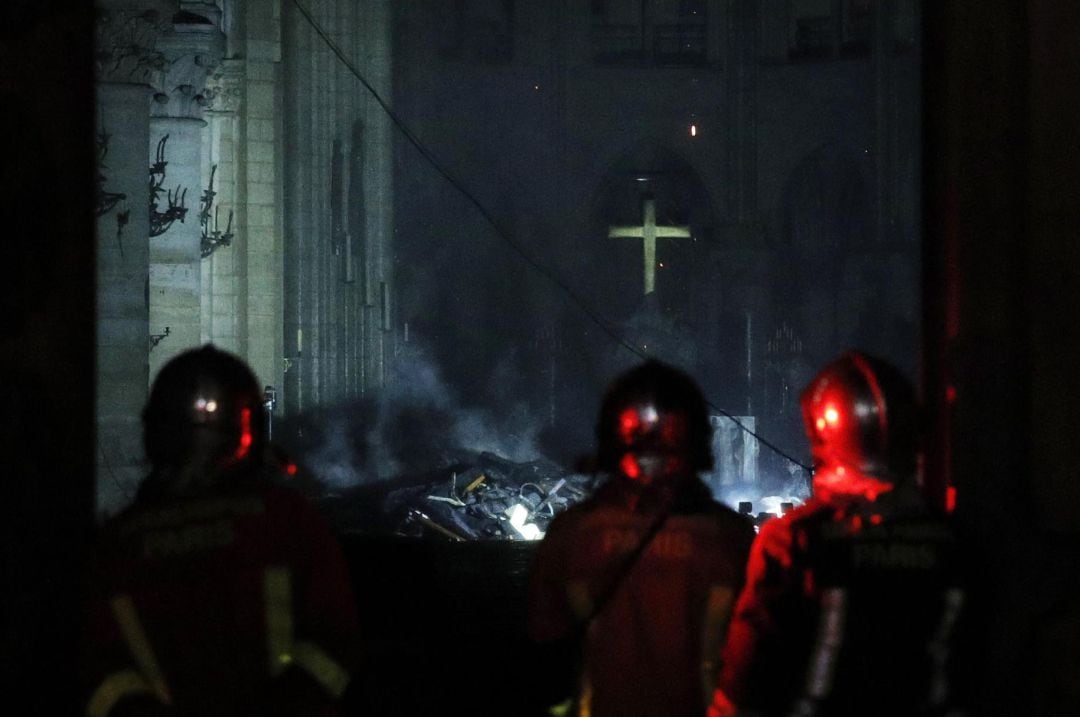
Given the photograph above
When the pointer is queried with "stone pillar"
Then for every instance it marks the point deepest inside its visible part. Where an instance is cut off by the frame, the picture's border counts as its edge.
(126, 60)
(191, 50)
(334, 331)
(224, 272)
(260, 210)
(296, 49)
(378, 188)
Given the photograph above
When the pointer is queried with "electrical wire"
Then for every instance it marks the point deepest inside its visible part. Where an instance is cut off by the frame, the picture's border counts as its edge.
(544, 271)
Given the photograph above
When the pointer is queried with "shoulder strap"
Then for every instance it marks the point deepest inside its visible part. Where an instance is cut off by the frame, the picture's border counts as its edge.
(624, 569)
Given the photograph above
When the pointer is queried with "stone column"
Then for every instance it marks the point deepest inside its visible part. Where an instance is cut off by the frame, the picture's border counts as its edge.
(260, 178)
(126, 61)
(378, 188)
(192, 49)
(224, 272)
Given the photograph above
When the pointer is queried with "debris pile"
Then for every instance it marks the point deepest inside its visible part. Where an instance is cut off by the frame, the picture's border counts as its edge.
(492, 499)
(480, 497)
(483, 496)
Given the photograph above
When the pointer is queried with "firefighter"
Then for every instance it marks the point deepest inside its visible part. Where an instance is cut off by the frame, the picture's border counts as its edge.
(851, 600)
(219, 591)
(640, 578)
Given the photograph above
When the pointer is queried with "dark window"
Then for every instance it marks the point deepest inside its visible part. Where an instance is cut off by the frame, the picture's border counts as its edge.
(649, 32)
(826, 29)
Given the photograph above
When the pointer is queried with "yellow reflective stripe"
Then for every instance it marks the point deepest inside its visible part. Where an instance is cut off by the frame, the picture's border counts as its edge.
(562, 709)
(282, 651)
(717, 616)
(124, 611)
(328, 673)
(114, 688)
(277, 593)
(585, 700)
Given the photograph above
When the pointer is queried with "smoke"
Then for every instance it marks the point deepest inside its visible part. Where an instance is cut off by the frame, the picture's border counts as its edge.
(417, 424)
(514, 437)
(420, 424)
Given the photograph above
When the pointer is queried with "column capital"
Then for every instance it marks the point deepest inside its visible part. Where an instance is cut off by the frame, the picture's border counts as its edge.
(192, 47)
(224, 87)
(126, 33)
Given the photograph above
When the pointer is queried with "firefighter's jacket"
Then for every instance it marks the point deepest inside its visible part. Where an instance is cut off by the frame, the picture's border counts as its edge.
(652, 648)
(210, 605)
(845, 611)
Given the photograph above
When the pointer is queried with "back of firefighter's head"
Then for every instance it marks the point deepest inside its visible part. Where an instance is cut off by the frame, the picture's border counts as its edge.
(205, 411)
(861, 415)
(653, 426)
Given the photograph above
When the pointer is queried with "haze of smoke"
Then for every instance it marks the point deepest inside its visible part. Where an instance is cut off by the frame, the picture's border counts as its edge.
(417, 425)
(333, 461)
(514, 437)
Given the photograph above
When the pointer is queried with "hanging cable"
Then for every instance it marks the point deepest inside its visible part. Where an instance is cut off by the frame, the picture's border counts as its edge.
(544, 271)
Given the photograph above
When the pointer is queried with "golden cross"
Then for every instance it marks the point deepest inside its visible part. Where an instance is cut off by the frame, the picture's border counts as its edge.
(649, 232)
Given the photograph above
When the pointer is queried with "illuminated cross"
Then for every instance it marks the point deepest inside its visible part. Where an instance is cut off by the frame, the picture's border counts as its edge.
(649, 232)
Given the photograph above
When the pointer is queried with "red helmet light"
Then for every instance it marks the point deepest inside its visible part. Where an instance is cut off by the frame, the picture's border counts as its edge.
(630, 467)
(246, 438)
(629, 424)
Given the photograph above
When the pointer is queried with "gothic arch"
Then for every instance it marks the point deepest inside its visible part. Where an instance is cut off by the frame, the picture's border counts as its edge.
(665, 171)
(649, 170)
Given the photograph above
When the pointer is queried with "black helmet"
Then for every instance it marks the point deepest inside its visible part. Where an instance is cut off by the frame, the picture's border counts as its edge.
(653, 424)
(861, 413)
(203, 401)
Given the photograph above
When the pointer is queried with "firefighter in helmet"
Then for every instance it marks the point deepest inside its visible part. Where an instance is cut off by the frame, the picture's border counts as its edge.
(851, 600)
(203, 424)
(219, 591)
(639, 579)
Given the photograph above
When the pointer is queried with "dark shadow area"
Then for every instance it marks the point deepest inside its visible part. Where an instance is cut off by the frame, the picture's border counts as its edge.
(445, 626)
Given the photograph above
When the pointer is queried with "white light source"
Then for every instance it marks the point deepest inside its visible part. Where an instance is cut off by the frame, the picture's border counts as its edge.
(518, 513)
(772, 503)
(693, 130)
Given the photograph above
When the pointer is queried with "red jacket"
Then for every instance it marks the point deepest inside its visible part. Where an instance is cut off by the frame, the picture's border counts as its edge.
(652, 649)
(211, 604)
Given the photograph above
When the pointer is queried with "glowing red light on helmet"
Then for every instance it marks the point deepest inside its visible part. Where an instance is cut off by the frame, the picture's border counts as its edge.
(245, 434)
(630, 467)
(291, 469)
(629, 423)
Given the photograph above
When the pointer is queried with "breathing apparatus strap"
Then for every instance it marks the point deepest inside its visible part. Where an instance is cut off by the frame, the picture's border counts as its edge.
(624, 569)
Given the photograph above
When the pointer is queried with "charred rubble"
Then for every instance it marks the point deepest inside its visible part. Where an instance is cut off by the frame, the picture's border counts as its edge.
(480, 496)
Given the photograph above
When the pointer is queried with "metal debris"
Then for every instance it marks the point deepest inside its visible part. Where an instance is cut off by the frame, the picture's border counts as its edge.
(491, 498)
